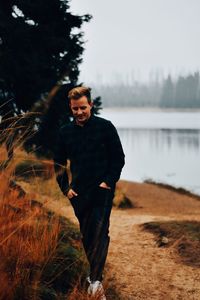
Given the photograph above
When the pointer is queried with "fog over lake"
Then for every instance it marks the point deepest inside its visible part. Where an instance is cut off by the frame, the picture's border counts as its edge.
(163, 146)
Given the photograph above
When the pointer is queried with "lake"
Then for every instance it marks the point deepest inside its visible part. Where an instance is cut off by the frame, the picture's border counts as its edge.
(163, 146)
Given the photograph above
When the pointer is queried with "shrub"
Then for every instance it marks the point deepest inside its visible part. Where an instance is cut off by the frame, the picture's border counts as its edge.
(28, 169)
(121, 200)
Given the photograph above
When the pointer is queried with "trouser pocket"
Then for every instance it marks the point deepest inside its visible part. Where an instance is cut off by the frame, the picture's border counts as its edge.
(103, 197)
(80, 204)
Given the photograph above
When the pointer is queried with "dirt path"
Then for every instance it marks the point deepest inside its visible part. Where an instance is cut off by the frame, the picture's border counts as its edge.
(141, 269)
(136, 266)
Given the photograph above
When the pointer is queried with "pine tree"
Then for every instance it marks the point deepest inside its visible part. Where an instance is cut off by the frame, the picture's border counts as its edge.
(41, 47)
(38, 48)
(167, 95)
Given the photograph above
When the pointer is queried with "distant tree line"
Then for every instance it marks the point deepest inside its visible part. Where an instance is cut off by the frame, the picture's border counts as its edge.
(184, 92)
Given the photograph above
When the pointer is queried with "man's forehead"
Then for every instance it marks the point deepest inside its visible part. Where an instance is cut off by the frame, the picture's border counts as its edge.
(79, 102)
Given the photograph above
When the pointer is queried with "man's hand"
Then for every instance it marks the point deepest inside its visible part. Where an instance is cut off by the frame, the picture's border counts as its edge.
(71, 193)
(105, 186)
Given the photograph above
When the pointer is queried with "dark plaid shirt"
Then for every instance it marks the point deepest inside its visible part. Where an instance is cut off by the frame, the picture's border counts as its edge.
(95, 153)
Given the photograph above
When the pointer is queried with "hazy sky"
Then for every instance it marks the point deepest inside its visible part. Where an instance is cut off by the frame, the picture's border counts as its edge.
(132, 38)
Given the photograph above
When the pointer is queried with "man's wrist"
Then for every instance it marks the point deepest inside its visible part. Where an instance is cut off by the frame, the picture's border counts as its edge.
(65, 192)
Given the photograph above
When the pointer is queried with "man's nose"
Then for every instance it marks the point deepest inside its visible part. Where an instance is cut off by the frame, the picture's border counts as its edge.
(79, 112)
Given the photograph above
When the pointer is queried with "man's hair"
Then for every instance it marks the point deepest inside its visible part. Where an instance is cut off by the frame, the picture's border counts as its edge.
(80, 91)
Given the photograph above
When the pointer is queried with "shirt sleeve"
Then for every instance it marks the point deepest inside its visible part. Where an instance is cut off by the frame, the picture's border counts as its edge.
(115, 155)
(60, 159)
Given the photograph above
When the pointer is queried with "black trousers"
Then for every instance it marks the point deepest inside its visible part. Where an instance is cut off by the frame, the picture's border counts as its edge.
(93, 212)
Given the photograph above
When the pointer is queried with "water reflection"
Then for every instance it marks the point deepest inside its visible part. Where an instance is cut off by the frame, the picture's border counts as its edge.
(162, 138)
(166, 155)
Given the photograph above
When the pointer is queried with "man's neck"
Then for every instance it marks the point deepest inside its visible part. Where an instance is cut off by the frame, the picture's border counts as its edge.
(82, 123)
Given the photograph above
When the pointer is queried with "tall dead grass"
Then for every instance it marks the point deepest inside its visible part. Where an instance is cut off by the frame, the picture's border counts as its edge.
(29, 235)
(28, 238)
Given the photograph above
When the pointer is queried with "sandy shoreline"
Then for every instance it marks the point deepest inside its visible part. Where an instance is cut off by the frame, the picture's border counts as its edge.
(179, 190)
(157, 199)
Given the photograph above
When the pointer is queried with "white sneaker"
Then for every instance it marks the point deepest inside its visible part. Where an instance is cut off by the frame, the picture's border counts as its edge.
(88, 279)
(96, 288)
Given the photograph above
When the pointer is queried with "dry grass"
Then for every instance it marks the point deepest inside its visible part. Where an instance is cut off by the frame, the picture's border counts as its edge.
(28, 238)
(40, 252)
(184, 236)
(121, 200)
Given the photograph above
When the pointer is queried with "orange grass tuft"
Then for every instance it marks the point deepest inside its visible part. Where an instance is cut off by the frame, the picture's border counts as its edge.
(32, 239)
(28, 239)
(28, 236)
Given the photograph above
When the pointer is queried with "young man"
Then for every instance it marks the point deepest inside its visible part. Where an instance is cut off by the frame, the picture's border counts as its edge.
(96, 159)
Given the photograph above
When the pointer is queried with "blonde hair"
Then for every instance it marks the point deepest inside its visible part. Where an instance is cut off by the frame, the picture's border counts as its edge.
(80, 91)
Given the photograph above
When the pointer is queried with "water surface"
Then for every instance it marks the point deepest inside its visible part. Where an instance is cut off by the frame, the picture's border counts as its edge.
(161, 146)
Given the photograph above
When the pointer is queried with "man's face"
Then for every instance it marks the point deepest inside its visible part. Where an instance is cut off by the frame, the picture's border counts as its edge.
(81, 109)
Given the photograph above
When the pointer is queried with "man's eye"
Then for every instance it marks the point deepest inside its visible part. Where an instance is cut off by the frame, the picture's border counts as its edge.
(75, 108)
(83, 107)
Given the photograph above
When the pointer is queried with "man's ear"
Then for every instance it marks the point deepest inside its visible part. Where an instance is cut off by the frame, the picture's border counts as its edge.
(70, 108)
(91, 104)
